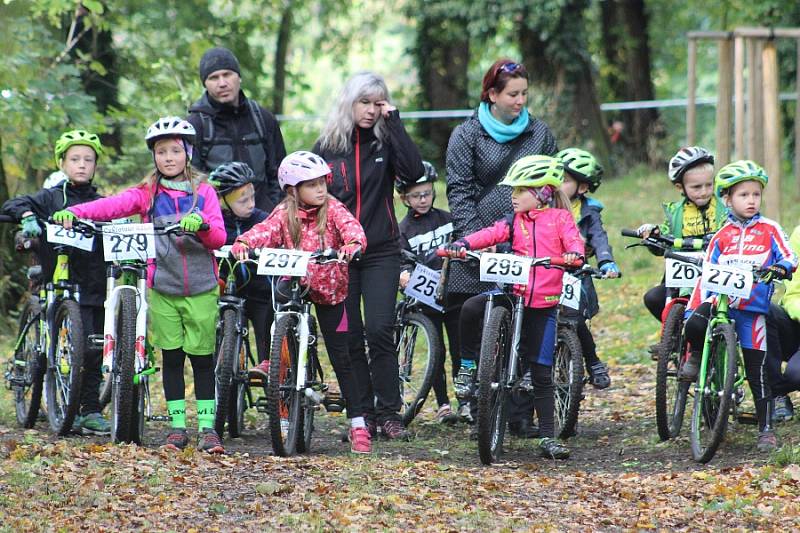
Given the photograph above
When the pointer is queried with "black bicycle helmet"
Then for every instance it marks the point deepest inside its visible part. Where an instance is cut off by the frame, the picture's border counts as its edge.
(429, 177)
(230, 176)
(686, 158)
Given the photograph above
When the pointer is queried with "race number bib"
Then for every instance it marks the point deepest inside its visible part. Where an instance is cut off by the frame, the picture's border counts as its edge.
(57, 234)
(505, 268)
(570, 292)
(277, 262)
(123, 242)
(725, 279)
(223, 252)
(679, 274)
(422, 286)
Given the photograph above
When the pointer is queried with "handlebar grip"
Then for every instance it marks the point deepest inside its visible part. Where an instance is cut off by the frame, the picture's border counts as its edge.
(669, 254)
(630, 233)
(7, 219)
(204, 227)
(559, 262)
(441, 252)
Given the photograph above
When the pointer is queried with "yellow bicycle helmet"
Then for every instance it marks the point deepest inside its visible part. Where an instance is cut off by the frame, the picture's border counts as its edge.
(535, 171)
(76, 137)
(737, 172)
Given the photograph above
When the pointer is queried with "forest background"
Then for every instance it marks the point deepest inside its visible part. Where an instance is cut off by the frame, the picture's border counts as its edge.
(114, 67)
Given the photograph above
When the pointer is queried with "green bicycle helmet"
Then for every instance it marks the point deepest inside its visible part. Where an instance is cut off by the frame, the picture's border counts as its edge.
(582, 166)
(75, 137)
(535, 171)
(737, 172)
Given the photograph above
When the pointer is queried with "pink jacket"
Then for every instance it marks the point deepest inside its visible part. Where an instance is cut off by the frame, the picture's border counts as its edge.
(183, 267)
(540, 233)
(328, 282)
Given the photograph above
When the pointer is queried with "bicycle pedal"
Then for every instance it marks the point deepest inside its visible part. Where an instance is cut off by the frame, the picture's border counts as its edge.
(159, 418)
(95, 340)
(747, 418)
(256, 381)
(261, 404)
(333, 402)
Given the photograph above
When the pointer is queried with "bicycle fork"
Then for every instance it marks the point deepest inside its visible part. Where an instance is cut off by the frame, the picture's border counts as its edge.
(515, 340)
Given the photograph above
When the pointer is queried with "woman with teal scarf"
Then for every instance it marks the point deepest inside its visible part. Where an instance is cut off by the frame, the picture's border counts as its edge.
(479, 153)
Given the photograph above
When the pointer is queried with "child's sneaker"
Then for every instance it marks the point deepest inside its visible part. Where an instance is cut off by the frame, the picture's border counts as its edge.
(767, 441)
(360, 441)
(445, 415)
(465, 413)
(553, 449)
(464, 383)
(394, 430)
(177, 439)
(784, 410)
(599, 375)
(526, 383)
(209, 441)
(689, 369)
(95, 424)
(261, 370)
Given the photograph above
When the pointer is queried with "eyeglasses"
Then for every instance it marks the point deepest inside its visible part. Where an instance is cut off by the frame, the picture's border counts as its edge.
(510, 68)
(419, 195)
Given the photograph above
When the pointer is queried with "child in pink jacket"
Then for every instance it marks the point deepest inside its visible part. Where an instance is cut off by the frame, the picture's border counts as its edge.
(541, 226)
(310, 219)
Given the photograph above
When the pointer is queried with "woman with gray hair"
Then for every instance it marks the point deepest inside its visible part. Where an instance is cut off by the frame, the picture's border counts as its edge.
(367, 147)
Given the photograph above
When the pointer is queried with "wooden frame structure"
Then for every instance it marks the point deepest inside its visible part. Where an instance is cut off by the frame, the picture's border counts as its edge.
(756, 108)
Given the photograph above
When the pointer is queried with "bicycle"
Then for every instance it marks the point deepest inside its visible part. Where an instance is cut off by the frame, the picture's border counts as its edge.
(500, 363)
(418, 343)
(718, 389)
(569, 375)
(128, 359)
(48, 352)
(233, 355)
(670, 352)
(296, 386)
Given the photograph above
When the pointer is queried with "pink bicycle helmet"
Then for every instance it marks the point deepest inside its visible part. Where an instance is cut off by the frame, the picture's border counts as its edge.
(301, 166)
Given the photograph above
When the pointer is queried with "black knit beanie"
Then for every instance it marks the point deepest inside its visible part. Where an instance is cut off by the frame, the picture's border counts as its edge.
(217, 59)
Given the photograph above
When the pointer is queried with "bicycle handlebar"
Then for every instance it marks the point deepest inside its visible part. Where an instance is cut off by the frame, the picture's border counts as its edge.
(7, 219)
(89, 227)
(669, 254)
(536, 261)
(665, 242)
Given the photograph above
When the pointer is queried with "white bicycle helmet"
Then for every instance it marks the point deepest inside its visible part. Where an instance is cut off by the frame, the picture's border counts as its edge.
(166, 127)
(686, 158)
(301, 166)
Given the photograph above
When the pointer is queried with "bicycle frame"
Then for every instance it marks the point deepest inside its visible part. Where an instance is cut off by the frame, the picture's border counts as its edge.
(113, 290)
(301, 310)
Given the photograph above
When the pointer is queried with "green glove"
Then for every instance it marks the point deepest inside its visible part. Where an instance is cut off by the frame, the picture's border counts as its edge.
(59, 217)
(191, 222)
(30, 226)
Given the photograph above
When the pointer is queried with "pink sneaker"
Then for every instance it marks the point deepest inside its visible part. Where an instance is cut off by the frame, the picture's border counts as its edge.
(360, 441)
(261, 370)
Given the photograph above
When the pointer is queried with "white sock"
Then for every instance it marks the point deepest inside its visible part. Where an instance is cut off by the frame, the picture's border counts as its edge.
(357, 422)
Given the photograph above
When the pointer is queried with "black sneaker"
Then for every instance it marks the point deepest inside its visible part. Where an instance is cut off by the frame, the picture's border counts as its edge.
(177, 439)
(550, 448)
(783, 411)
(464, 383)
(688, 371)
(526, 383)
(599, 375)
(209, 441)
(394, 430)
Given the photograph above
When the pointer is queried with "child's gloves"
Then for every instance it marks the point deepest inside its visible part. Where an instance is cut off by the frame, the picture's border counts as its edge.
(30, 226)
(776, 271)
(645, 230)
(64, 217)
(456, 248)
(191, 222)
(349, 251)
(609, 269)
(240, 250)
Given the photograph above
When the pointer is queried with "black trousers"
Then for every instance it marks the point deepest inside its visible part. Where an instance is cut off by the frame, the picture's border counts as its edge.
(92, 317)
(333, 323)
(783, 342)
(373, 281)
(446, 321)
(261, 316)
(655, 299)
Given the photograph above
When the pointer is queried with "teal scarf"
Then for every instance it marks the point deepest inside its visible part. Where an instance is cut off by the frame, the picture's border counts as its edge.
(500, 132)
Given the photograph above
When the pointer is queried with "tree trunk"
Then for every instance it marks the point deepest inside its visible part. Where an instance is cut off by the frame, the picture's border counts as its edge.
(573, 109)
(281, 51)
(442, 54)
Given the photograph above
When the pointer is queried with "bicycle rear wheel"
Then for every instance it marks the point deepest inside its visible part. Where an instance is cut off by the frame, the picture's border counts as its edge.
(123, 401)
(492, 392)
(239, 391)
(65, 371)
(283, 400)
(670, 392)
(227, 362)
(419, 358)
(26, 375)
(712, 402)
(567, 381)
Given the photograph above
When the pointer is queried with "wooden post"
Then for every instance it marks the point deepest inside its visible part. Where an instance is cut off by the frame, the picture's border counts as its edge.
(755, 119)
(772, 130)
(724, 89)
(691, 106)
(797, 121)
(738, 97)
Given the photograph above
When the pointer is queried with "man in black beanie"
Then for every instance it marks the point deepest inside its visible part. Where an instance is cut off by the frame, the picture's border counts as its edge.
(231, 127)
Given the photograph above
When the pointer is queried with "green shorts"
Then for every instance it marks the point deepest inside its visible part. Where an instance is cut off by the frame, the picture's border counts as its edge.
(188, 322)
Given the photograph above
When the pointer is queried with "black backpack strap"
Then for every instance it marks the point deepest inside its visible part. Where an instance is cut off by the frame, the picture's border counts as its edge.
(207, 135)
(258, 119)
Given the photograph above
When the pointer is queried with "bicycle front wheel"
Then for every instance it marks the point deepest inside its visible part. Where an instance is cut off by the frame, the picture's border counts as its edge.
(567, 381)
(239, 391)
(227, 362)
(492, 392)
(419, 358)
(283, 399)
(26, 375)
(123, 400)
(65, 369)
(713, 397)
(670, 392)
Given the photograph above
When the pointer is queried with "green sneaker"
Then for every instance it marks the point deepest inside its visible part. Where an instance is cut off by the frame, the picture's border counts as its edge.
(95, 424)
(77, 425)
